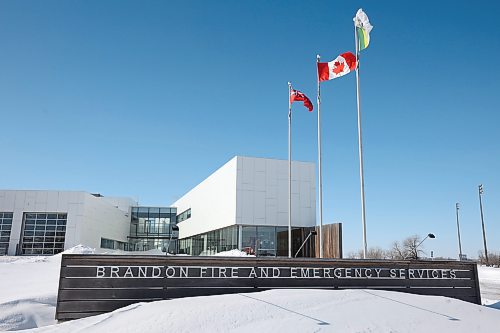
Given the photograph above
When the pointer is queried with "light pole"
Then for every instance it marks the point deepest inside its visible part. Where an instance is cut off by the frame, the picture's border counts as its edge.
(431, 236)
(480, 190)
(457, 207)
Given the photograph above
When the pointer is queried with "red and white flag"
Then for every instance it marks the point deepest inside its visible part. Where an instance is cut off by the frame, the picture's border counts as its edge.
(296, 95)
(342, 65)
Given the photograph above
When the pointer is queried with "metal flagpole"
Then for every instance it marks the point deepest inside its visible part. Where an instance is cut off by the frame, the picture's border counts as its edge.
(320, 189)
(289, 171)
(360, 147)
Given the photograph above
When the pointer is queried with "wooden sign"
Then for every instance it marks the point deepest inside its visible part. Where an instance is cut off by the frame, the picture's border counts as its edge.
(94, 284)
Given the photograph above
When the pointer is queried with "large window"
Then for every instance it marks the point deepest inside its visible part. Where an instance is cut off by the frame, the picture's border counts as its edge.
(184, 215)
(249, 239)
(211, 242)
(107, 243)
(261, 241)
(266, 241)
(5, 227)
(43, 233)
(151, 228)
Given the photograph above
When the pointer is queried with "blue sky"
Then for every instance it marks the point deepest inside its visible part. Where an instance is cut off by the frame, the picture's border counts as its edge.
(147, 98)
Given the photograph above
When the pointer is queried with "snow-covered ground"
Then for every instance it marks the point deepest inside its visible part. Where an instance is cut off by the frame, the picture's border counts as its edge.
(29, 291)
(489, 283)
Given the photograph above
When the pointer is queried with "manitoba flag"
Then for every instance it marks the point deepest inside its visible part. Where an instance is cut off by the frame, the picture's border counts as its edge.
(296, 95)
(342, 65)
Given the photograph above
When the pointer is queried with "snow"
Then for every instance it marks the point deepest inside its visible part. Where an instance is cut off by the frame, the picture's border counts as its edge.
(29, 293)
(233, 253)
(295, 311)
(489, 283)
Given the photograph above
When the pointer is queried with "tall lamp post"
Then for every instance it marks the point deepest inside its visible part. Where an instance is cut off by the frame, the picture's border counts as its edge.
(480, 190)
(457, 207)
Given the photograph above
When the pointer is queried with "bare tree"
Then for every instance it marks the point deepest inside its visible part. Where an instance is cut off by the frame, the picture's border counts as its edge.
(493, 258)
(397, 252)
(372, 253)
(376, 253)
(353, 255)
(411, 244)
(409, 248)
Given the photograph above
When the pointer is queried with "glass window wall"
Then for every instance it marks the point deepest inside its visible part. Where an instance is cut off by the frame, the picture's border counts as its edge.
(151, 228)
(210, 243)
(255, 240)
(5, 227)
(43, 233)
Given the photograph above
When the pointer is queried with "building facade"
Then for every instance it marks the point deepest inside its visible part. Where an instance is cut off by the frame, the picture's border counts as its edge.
(47, 222)
(244, 205)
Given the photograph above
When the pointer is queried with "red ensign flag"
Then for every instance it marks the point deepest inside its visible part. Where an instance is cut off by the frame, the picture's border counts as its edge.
(296, 95)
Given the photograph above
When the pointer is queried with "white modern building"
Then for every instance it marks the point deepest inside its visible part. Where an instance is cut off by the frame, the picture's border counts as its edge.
(244, 205)
(47, 222)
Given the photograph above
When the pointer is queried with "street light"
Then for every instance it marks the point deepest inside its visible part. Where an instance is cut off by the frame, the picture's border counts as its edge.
(430, 235)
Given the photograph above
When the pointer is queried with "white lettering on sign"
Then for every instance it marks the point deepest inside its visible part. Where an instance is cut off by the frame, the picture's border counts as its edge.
(170, 272)
(114, 271)
(100, 271)
(128, 273)
(224, 272)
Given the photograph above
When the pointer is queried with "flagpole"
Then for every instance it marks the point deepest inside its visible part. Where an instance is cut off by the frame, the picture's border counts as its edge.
(360, 147)
(320, 188)
(289, 171)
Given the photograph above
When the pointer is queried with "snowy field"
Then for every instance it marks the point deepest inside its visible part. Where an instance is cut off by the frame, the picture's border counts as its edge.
(29, 293)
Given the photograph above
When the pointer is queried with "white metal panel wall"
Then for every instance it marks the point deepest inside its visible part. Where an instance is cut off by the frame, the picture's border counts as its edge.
(103, 219)
(262, 192)
(250, 191)
(20, 202)
(212, 202)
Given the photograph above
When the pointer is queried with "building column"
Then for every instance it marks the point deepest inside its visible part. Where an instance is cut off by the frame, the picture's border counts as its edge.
(240, 243)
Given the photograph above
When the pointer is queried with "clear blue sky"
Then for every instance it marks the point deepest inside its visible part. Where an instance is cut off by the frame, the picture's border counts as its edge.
(147, 98)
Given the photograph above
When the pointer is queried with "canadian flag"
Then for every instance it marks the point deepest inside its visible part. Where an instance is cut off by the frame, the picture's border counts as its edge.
(342, 65)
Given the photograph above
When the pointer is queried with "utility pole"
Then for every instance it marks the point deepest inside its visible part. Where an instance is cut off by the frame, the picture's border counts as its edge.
(480, 190)
(457, 207)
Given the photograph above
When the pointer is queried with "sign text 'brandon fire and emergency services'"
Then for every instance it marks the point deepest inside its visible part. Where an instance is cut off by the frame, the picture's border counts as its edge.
(210, 272)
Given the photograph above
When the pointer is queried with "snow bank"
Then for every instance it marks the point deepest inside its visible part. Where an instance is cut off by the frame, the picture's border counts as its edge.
(29, 291)
(79, 249)
(294, 311)
(233, 253)
(489, 283)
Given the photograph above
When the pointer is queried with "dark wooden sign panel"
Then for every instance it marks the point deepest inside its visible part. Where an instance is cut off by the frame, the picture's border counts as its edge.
(94, 284)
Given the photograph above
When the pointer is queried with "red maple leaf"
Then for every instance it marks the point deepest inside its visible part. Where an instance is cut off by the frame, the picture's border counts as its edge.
(339, 67)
